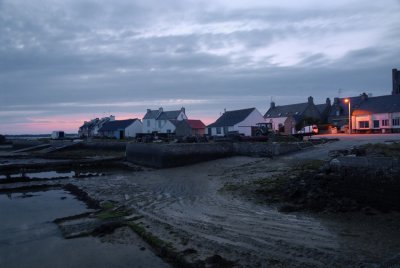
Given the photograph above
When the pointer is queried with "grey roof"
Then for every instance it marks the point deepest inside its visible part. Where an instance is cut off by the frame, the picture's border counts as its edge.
(321, 107)
(117, 125)
(151, 114)
(231, 118)
(174, 122)
(286, 110)
(380, 104)
(169, 115)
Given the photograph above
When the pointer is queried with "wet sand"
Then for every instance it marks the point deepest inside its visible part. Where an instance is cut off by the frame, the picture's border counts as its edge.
(185, 206)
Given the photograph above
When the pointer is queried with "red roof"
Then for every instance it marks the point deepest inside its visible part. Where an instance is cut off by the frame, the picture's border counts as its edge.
(195, 124)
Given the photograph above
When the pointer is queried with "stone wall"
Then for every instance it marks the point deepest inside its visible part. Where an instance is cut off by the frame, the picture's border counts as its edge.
(99, 145)
(169, 155)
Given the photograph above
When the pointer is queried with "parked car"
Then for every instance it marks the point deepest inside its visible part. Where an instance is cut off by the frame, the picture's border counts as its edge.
(313, 129)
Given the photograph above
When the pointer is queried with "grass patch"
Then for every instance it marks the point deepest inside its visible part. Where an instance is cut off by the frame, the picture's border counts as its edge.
(111, 213)
(153, 240)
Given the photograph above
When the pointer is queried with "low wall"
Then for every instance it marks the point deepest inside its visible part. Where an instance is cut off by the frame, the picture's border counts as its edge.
(170, 155)
(99, 145)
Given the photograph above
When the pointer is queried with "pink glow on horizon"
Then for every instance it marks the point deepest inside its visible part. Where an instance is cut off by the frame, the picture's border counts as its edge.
(69, 124)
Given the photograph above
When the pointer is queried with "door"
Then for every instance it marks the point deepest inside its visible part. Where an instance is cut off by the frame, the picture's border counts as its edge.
(121, 135)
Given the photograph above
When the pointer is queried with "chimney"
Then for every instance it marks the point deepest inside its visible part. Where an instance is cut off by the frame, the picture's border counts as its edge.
(183, 110)
(328, 101)
(272, 104)
(335, 101)
(364, 97)
(310, 100)
(160, 109)
(395, 81)
(224, 110)
(112, 118)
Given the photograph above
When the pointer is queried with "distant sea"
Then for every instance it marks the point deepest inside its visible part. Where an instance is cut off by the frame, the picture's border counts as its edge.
(36, 136)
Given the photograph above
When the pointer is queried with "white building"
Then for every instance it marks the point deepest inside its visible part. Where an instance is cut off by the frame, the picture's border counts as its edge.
(377, 114)
(241, 121)
(121, 129)
(162, 121)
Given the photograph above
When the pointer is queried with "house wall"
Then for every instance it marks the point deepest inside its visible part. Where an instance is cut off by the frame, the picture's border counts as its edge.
(224, 131)
(276, 121)
(290, 125)
(149, 125)
(133, 129)
(244, 127)
(370, 118)
(166, 126)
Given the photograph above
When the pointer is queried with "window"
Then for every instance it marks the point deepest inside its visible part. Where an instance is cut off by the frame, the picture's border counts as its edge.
(209, 131)
(148, 123)
(376, 123)
(168, 131)
(159, 123)
(385, 122)
(218, 130)
(363, 124)
(396, 121)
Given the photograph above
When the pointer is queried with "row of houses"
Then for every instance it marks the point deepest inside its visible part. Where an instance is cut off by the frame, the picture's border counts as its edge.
(368, 114)
(159, 121)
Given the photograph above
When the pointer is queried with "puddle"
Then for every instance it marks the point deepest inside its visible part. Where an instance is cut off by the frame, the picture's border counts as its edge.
(47, 175)
(29, 238)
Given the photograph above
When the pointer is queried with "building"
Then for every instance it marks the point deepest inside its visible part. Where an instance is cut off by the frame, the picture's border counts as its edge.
(161, 121)
(241, 121)
(290, 118)
(91, 128)
(377, 114)
(190, 128)
(121, 129)
(396, 82)
(339, 112)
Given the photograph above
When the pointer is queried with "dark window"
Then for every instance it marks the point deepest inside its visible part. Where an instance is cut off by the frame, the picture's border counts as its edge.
(376, 123)
(209, 131)
(363, 124)
(218, 130)
(385, 122)
(396, 121)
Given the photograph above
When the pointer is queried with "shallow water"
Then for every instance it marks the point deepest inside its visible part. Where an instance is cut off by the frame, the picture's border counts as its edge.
(29, 238)
(49, 175)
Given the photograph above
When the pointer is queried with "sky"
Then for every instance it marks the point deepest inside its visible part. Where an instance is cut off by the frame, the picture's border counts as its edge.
(66, 61)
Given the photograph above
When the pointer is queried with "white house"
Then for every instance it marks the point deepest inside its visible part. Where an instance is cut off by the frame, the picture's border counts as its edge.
(377, 114)
(162, 121)
(121, 129)
(239, 120)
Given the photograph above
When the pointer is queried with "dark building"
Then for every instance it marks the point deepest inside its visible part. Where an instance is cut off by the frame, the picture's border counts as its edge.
(396, 81)
(289, 118)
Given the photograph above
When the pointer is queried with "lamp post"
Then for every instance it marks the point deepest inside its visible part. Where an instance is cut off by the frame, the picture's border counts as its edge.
(348, 101)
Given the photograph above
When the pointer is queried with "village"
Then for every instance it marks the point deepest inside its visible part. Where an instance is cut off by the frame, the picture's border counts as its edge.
(366, 113)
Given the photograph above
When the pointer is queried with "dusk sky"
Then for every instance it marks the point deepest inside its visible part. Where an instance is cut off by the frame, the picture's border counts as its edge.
(66, 61)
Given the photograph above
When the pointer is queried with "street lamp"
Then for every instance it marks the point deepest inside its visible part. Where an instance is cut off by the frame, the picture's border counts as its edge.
(348, 101)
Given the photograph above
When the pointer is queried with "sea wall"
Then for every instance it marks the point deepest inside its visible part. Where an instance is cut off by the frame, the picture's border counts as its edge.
(170, 155)
(104, 145)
